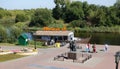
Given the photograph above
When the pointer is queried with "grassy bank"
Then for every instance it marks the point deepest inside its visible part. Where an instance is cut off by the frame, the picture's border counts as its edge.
(102, 29)
(38, 44)
(7, 44)
(9, 57)
(31, 44)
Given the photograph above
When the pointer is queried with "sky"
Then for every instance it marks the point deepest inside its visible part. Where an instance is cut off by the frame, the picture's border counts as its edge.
(32, 4)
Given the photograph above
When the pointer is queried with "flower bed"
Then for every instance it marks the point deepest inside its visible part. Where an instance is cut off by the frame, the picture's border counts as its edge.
(5, 52)
(28, 52)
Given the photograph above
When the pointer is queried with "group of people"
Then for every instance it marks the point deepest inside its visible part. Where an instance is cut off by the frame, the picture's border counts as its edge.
(94, 48)
(72, 46)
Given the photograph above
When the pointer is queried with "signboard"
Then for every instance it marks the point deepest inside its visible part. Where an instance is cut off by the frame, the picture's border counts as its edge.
(54, 29)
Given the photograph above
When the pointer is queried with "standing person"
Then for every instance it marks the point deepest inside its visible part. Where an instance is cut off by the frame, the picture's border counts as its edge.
(1, 49)
(88, 44)
(94, 48)
(86, 48)
(106, 47)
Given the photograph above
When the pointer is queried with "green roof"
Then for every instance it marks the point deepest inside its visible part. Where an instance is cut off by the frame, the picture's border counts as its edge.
(24, 36)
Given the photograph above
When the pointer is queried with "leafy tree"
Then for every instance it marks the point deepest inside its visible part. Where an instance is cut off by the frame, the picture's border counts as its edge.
(57, 12)
(3, 34)
(85, 9)
(1, 8)
(78, 23)
(14, 33)
(21, 18)
(1, 14)
(41, 17)
(60, 8)
(74, 12)
(117, 11)
(117, 4)
(4, 13)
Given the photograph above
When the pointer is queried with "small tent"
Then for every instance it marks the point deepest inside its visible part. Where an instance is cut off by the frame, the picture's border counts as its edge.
(23, 39)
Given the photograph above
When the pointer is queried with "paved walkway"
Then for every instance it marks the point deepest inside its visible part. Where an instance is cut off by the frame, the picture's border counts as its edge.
(44, 60)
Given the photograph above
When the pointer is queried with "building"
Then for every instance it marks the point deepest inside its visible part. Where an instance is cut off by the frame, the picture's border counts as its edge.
(23, 39)
(56, 36)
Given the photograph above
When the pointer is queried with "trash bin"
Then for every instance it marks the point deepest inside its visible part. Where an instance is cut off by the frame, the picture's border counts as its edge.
(57, 45)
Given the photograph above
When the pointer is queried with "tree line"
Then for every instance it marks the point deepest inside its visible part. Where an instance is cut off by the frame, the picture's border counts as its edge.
(66, 12)
(82, 14)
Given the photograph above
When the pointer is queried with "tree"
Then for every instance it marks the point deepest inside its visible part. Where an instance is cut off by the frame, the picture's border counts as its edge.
(117, 4)
(57, 12)
(74, 12)
(117, 12)
(2, 13)
(3, 34)
(41, 17)
(60, 8)
(78, 23)
(15, 33)
(21, 18)
(85, 9)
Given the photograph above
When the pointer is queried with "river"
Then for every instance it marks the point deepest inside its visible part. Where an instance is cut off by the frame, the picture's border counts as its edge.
(101, 38)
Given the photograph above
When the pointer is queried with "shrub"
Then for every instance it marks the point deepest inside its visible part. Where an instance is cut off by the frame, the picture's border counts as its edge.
(21, 18)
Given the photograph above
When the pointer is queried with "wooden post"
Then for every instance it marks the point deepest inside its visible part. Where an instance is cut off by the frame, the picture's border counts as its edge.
(35, 42)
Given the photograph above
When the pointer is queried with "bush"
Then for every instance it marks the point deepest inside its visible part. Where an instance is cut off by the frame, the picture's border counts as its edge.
(57, 24)
(21, 18)
(7, 21)
(78, 23)
(3, 34)
(14, 33)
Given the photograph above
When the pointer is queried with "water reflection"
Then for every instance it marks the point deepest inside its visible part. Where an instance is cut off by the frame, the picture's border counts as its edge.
(101, 38)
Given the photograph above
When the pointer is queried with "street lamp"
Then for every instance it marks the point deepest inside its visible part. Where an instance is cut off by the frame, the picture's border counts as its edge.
(117, 58)
(34, 37)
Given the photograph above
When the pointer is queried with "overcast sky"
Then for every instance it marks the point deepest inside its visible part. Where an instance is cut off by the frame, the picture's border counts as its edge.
(29, 4)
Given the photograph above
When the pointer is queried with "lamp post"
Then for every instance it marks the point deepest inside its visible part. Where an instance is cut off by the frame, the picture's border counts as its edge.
(34, 41)
(35, 44)
(117, 58)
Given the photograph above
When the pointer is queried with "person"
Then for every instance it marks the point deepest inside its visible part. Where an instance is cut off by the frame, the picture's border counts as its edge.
(86, 48)
(1, 49)
(52, 42)
(88, 44)
(94, 48)
(106, 47)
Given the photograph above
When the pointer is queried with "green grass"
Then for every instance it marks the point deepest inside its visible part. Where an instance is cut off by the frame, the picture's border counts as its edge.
(7, 44)
(40, 46)
(9, 57)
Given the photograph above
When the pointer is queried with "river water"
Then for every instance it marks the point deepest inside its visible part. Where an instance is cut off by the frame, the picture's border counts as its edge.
(101, 38)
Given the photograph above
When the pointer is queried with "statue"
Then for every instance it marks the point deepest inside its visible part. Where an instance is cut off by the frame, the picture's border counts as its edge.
(72, 46)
